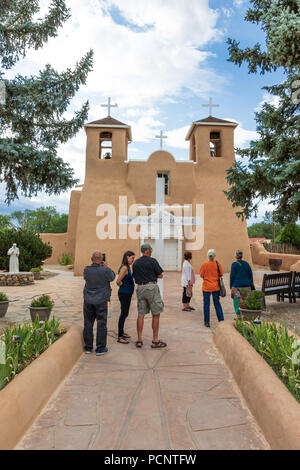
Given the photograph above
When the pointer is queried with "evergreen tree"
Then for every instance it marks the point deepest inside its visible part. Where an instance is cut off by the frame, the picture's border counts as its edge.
(290, 234)
(32, 125)
(273, 167)
(42, 220)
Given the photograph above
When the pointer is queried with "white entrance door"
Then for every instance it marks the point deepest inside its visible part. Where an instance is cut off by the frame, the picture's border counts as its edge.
(170, 253)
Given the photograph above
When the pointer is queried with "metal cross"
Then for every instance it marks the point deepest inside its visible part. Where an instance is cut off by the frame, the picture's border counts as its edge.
(109, 105)
(161, 137)
(210, 105)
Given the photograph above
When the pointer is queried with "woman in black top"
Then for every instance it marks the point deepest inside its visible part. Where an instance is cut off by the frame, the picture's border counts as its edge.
(126, 288)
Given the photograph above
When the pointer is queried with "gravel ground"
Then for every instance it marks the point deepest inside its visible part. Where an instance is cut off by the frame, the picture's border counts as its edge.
(289, 314)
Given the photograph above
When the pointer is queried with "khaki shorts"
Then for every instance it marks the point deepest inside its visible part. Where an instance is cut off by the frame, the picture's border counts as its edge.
(149, 299)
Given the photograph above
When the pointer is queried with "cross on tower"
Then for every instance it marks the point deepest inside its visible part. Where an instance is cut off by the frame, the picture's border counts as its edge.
(109, 105)
(161, 137)
(210, 105)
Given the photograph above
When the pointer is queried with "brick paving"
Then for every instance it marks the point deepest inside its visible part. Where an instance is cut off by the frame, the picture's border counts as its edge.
(179, 398)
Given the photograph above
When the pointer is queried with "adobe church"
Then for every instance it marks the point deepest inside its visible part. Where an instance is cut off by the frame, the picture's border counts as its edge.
(97, 220)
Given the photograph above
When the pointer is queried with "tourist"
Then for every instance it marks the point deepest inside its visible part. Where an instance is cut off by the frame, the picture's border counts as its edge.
(211, 271)
(97, 291)
(126, 288)
(187, 282)
(241, 281)
(146, 271)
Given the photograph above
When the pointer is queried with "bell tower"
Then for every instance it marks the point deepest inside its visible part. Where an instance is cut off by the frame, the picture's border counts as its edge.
(212, 138)
(107, 141)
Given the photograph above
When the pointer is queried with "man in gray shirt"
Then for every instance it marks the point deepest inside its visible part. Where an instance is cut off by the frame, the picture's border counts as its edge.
(97, 291)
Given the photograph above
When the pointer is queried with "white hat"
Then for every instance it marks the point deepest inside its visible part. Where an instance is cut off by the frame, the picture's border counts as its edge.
(211, 253)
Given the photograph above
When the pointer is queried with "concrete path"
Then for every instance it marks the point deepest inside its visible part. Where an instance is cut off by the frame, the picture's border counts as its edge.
(181, 398)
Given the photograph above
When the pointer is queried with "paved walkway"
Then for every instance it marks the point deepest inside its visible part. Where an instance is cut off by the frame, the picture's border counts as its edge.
(180, 398)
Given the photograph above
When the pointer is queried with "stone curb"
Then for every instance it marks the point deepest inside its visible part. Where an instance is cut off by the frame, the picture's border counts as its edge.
(276, 411)
(22, 399)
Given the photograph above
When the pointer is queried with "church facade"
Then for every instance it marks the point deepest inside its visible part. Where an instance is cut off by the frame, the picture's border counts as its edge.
(196, 216)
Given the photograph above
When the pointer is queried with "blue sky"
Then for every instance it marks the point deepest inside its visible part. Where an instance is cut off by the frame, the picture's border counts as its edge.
(160, 61)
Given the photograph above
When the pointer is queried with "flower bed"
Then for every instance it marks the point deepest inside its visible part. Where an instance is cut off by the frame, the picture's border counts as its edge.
(279, 349)
(24, 343)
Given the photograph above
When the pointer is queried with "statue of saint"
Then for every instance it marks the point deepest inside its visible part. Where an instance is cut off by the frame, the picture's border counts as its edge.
(13, 252)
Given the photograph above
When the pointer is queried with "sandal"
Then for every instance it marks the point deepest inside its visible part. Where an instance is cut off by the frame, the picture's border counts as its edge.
(123, 340)
(191, 308)
(125, 335)
(139, 344)
(158, 344)
(186, 309)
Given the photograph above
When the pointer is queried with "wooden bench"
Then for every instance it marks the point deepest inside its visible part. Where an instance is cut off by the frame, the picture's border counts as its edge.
(278, 284)
(296, 285)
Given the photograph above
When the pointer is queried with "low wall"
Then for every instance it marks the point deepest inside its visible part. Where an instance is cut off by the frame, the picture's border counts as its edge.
(17, 279)
(261, 257)
(22, 400)
(275, 409)
(59, 243)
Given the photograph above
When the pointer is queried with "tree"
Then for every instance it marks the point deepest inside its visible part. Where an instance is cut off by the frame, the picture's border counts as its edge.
(32, 125)
(290, 234)
(33, 251)
(273, 168)
(42, 220)
(4, 221)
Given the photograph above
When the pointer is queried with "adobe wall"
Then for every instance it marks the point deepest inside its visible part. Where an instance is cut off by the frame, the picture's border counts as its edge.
(72, 221)
(261, 257)
(59, 243)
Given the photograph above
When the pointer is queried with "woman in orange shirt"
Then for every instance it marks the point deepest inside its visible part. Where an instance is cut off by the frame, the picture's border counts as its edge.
(210, 275)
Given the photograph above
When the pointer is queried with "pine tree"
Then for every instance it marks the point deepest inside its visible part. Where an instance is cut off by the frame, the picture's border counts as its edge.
(32, 125)
(273, 167)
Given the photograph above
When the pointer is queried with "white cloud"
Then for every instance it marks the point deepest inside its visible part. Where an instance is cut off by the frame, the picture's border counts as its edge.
(270, 99)
(137, 68)
(242, 137)
(176, 138)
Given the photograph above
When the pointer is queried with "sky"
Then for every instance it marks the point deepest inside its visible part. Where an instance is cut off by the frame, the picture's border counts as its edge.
(160, 61)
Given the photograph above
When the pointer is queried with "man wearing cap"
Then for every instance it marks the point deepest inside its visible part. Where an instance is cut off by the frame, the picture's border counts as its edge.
(97, 292)
(146, 271)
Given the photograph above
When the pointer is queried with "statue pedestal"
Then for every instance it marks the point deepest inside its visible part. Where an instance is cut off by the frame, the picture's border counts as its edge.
(17, 279)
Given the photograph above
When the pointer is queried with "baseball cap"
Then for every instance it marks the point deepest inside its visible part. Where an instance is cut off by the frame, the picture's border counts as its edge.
(145, 247)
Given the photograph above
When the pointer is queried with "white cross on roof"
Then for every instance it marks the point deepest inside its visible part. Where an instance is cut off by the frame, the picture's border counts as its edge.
(210, 105)
(161, 137)
(109, 105)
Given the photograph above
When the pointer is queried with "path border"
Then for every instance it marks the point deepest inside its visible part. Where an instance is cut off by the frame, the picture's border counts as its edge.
(275, 409)
(24, 397)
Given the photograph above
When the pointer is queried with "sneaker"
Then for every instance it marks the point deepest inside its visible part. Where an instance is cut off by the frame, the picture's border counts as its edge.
(100, 353)
(88, 351)
(207, 325)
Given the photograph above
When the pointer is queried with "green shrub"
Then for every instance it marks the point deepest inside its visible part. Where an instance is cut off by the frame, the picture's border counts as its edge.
(280, 350)
(36, 270)
(24, 343)
(66, 260)
(254, 301)
(43, 301)
(290, 234)
(3, 297)
(33, 251)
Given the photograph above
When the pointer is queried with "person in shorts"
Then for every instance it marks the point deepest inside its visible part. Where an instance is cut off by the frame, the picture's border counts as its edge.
(146, 271)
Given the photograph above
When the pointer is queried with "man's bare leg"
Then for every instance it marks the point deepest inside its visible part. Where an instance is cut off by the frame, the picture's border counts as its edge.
(140, 325)
(155, 327)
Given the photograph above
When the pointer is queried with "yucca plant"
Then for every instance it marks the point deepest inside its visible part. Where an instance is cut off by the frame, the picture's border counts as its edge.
(280, 350)
(24, 343)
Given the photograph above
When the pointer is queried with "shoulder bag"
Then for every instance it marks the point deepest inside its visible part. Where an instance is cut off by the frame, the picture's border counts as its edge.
(221, 283)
